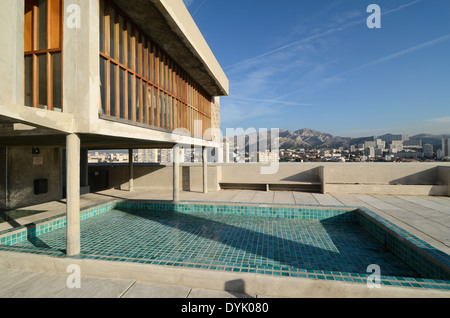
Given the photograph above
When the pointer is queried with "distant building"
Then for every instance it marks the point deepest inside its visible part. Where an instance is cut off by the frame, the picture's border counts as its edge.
(267, 157)
(412, 143)
(428, 150)
(369, 152)
(445, 152)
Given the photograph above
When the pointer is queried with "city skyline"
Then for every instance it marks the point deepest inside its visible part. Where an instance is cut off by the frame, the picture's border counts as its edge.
(317, 64)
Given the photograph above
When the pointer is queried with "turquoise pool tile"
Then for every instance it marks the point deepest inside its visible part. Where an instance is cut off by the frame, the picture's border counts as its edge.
(284, 240)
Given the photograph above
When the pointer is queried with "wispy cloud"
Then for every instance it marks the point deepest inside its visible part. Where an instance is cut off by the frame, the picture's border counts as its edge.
(341, 25)
(338, 77)
(393, 56)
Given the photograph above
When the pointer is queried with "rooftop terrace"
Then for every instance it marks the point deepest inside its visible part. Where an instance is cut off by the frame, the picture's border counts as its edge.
(425, 217)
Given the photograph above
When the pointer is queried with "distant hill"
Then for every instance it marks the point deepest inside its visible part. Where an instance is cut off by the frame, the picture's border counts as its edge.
(310, 138)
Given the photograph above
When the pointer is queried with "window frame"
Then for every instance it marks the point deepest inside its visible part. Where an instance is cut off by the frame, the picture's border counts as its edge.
(54, 41)
(162, 93)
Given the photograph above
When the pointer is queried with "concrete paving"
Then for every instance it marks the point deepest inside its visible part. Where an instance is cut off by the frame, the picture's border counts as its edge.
(426, 217)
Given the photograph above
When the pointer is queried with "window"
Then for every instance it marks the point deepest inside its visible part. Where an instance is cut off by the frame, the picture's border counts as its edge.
(43, 54)
(141, 83)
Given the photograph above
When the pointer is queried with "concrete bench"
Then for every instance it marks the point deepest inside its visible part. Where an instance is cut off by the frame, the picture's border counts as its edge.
(273, 186)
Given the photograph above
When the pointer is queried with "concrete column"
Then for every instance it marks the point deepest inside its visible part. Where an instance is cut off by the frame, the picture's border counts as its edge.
(130, 170)
(73, 245)
(176, 174)
(219, 153)
(227, 152)
(205, 170)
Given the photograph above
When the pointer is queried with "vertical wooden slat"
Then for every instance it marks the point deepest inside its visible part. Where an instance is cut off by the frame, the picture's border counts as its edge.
(146, 72)
(152, 79)
(35, 81)
(28, 26)
(49, 81)
(133, 77)
(107, 34)
(54, 28)
(158, 115)
(125, 73)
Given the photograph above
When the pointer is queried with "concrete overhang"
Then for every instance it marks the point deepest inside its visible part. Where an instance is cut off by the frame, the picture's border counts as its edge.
(169, 24)
(39, 118)
(96, 141)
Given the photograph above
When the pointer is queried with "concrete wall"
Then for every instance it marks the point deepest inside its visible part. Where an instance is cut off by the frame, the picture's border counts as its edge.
(444, 177)
(159, 177)
(373, 178)
(11, 54)
(24, 168)
(367, 178)
(287, 172)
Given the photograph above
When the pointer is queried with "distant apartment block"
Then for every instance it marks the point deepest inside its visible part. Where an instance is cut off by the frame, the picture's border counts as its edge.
(445, 151)
(268, 157)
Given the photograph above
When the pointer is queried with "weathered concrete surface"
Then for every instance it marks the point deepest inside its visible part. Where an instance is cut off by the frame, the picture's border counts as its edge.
(426, 217)
(42, 276)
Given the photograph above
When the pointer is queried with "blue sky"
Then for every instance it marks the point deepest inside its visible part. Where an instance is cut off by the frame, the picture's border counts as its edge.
(315, 64)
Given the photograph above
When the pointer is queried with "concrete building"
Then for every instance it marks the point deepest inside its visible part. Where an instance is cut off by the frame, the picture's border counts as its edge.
(428, 150)
(98, 74)
(445, 152)
(268, 157)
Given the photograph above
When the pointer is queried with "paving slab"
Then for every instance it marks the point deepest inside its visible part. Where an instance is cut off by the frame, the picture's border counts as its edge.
(304, 198)
(284, 197)
(204, 293)
(244, 196)
(264, 197)
(325, 199)
(152, 290)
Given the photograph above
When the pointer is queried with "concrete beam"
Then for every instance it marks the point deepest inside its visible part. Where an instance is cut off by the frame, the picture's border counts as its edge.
(37, 117)
(73, 240)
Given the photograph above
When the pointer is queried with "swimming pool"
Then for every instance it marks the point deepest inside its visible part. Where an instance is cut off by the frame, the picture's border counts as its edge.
(331, 243)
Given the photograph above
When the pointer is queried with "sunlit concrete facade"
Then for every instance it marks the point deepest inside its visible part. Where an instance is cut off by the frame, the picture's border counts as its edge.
(51, 106)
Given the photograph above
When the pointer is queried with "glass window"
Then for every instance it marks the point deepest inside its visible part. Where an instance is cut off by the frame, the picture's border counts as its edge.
(102, 84)
(43, 54)
(102, 26)
(112, 87)
(112, 28)
(121, 32)
(42, 25)
(121, 75)
(42, 81)
(29, 80)
(57, 82)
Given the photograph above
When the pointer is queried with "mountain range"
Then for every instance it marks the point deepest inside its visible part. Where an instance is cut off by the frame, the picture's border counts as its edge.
(310, 138)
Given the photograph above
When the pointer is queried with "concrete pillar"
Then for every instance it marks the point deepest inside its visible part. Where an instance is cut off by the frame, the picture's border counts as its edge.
(130, 170)
(73, 245)
(227, 152)
(205, 170)
(176, 174)
(219, 153)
